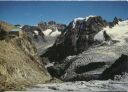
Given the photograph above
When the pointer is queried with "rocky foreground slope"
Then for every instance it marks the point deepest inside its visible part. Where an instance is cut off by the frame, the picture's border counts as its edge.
(19, 63)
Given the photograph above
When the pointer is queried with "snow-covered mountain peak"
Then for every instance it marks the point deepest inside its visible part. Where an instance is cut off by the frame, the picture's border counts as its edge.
(89, 17)
(81, 18)
(77, 19)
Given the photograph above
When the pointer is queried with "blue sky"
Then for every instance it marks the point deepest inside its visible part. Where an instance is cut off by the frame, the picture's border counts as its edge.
(31, 12)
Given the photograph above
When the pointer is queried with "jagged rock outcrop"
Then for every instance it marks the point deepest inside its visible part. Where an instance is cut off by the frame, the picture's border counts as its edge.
(51, 24)
(42, 25)
(114, 22)
(77, 37)
(119, 67)
(34, 32)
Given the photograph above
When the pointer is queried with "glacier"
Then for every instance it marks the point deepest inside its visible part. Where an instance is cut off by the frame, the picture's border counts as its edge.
(98, 53)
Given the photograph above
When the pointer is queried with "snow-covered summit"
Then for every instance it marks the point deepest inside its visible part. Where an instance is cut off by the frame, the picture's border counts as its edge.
(77, 19)
(89, 17)
(81, 18)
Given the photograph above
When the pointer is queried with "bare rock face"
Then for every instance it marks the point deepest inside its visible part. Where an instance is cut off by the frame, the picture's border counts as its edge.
(34, 33)
(119, 67)
(51, 24)
(77, 37)
(114, 22)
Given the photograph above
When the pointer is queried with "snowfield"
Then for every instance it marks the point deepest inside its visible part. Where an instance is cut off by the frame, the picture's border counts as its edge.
(51, 33)
(47, 32)
(119, 32)
(99, 36)
(55, 33)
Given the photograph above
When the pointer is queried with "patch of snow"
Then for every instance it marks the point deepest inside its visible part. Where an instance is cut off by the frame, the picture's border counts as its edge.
(20, 27)
(75, 20)
(36, 32)
(89, 17)
(50, 32)
(49, 64)
(99, 36)
(71, 57)
(47, 32)
(55, 33)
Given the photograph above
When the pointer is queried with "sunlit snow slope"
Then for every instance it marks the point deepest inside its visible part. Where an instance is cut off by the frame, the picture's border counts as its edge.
(119, 32)
(50, 32)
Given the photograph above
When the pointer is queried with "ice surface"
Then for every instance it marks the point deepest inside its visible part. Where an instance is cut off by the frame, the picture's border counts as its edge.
(47, 32)
(99, 36)
(51, 33)
(55, 33)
